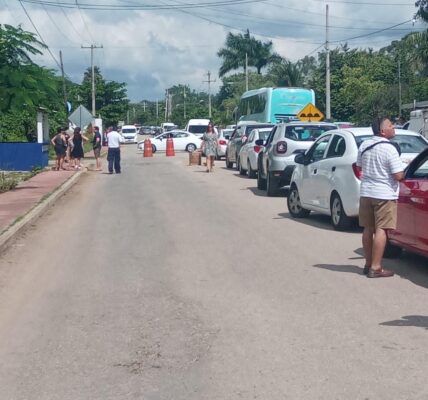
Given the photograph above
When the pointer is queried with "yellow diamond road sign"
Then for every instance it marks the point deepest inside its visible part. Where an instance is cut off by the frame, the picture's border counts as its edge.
(310, 113)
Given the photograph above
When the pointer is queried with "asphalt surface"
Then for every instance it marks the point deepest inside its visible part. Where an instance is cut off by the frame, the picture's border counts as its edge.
(166, 282)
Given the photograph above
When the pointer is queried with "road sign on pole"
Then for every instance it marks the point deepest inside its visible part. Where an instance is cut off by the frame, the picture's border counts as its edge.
(81, 117)
(310, 113)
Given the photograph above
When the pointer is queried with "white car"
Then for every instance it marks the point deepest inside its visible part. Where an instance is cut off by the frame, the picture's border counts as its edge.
(249, 152)
(223, 139)
(129, 134)
(327, 180)
(182, 141)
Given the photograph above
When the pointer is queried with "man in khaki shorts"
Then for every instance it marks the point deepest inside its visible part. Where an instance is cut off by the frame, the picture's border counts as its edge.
(382, 170)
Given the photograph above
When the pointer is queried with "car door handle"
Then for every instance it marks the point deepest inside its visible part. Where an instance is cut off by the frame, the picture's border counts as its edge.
(333, 169)
(315, 171)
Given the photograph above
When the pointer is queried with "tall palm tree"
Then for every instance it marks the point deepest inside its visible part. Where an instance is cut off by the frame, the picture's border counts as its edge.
(238, 46)
(286, 73)
(420, 39)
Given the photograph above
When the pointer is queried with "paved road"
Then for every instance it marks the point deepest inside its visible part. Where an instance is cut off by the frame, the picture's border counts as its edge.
(165, 282)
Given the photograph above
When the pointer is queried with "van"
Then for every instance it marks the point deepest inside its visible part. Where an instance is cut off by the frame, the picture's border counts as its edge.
(418, 122)
(129, 134)
(168, 126)
(197, 126)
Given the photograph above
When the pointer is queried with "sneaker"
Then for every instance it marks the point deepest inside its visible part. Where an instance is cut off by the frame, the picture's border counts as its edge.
(379, 273)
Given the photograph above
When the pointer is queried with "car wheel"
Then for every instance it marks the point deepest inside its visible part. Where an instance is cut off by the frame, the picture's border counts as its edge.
(190, 148)
(228, 163)
(392, 251)
(251, 172)
(242, 171)
(261, 183)
(153, 149)
(272, 186)
(294, 206)
(339, 219)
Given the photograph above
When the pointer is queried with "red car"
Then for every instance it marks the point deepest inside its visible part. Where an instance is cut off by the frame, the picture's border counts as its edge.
(412, 226)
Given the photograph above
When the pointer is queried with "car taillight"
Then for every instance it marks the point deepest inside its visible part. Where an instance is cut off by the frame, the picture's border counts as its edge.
(222, 142)
(281, 147)
(358, 172)
(257, 148)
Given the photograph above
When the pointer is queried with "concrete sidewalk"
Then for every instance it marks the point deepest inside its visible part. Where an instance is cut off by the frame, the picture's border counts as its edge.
(31, 198)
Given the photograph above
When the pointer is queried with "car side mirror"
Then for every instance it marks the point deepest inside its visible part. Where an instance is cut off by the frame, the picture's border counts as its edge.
(259, 142)
(300, 159)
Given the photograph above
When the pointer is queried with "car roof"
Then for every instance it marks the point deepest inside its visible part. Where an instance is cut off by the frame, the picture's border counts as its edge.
(305, 123)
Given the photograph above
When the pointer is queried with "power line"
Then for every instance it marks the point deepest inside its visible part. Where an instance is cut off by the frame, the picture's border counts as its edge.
(365, 3)
(56, 26)
(40, 36)
(110, 7)
(84, 22)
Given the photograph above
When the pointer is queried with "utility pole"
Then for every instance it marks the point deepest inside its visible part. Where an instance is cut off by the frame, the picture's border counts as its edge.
(246, 72)
(166, 104)
(63, 83)
(157, 112)
(184, 102)
(144, 106)
(327, 70)
(399, 86)
(209, 93)
(92, 47)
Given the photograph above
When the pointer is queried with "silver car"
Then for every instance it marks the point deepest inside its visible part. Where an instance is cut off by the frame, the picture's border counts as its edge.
(276, 161)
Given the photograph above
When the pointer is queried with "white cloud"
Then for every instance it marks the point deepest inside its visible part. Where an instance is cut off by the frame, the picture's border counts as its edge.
(152, 51)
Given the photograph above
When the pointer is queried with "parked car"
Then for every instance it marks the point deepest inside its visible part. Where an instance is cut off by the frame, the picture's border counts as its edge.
(223, 138)
(327, 180)
(275, 162)
(412, 233)
(250, 150)
(239, 137)
(129, 133)
(182, 141)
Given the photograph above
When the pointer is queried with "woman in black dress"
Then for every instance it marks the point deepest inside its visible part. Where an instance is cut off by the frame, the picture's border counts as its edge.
(77, 152)
(59, 143)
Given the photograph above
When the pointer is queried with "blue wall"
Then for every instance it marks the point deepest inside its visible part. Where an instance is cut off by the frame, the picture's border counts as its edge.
(23, 156)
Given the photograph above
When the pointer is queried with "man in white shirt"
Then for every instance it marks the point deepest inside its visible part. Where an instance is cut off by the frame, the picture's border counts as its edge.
(114, 140)
(382, 170)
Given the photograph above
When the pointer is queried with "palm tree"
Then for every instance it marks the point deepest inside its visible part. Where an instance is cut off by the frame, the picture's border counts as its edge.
(238, 46)
(420, 39)
(286, 73)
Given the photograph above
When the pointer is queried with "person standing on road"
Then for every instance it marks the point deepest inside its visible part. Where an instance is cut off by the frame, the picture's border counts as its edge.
(210, 143)
(60, 146)
(114, 139)
(382, 170)
(96, 145)
(77, 152)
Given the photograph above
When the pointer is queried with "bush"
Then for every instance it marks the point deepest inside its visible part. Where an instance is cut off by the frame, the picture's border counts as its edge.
(8, 181)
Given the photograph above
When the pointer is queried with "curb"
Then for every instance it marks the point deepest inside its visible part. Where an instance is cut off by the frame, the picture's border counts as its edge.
(36, 212)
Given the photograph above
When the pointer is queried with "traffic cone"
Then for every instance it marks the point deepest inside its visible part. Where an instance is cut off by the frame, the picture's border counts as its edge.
(170, 147)
(148, 149)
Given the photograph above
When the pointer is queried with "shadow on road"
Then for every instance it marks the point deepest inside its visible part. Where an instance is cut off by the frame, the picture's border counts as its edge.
(351, 269)
(419, 321)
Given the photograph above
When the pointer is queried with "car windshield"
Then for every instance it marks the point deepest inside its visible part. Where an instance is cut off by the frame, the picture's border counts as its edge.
(197, 128)
(407, 143)
(306, 133)
(225, 132)
(129, 130)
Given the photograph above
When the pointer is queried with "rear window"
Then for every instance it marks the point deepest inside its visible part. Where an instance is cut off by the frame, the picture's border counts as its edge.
(129, 130)
(305, 133)
(198, 128)
(264, 134)
(249, 128)
(407, 143)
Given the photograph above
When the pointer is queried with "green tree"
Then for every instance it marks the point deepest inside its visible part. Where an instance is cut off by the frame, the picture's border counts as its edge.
(286, 73)
(111, 100)
(236, 48)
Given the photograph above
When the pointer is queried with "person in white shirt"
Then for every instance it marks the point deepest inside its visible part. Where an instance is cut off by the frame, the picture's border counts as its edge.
(114, 140)
(382, 170)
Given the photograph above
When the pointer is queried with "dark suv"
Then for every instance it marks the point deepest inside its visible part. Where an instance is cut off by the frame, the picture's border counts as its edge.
(238, 138)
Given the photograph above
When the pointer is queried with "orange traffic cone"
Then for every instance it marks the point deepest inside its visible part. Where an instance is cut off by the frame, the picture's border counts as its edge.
(170, 147)
(148, 149)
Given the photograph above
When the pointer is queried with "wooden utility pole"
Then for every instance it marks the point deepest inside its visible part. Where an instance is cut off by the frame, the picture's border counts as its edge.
(64, 89)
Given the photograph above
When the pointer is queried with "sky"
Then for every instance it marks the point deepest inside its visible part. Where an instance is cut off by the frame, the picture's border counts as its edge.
(154, 44)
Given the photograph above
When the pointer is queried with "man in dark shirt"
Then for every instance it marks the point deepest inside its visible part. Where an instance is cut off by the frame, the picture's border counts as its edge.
(96, 145)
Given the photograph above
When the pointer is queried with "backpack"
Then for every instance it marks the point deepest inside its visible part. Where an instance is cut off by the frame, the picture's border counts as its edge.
(396, 146)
